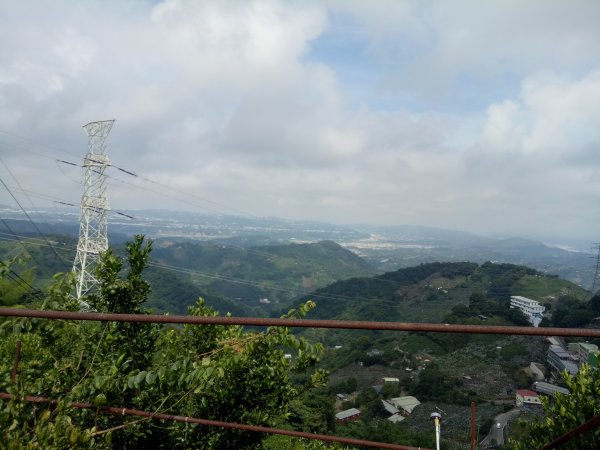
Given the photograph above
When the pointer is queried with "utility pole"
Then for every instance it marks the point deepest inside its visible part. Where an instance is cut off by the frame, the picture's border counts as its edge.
(93, 237)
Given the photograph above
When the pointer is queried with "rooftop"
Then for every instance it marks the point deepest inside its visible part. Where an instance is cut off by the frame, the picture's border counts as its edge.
(407, 403)
(347, 413)
(527, 393)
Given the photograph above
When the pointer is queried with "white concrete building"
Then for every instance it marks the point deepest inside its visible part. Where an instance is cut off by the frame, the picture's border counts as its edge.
(531, 308)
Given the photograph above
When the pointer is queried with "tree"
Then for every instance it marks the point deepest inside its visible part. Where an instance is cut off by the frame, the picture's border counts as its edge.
(14, 287)
(567, 412)
(213, 372)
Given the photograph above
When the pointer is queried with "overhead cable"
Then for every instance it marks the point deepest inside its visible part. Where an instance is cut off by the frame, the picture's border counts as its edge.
(31, 221)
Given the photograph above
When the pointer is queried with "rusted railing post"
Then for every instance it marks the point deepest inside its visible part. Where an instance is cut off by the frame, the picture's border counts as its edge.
(16, 361)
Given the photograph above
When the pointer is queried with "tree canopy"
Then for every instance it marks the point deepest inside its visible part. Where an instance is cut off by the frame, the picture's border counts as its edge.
(567, 412)
(212, 372)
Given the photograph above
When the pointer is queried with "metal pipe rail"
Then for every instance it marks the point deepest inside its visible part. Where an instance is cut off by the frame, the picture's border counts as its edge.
(302, 323)
(215, 423)
(295, 323)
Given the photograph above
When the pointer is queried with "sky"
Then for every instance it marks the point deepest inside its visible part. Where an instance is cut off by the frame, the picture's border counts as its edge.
(468, 115)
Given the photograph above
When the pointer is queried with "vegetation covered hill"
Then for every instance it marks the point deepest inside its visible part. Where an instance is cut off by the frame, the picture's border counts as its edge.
(242, 281)
(428, 292)
(254, 279)
(210, 372)
(442, 370)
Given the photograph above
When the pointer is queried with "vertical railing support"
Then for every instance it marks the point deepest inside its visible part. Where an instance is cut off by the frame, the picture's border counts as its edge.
(16, 361)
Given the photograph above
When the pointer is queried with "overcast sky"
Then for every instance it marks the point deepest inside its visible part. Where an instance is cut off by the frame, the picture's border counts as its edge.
(475, 115)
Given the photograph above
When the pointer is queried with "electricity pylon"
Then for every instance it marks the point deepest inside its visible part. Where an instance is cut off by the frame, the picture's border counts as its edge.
(93, 237)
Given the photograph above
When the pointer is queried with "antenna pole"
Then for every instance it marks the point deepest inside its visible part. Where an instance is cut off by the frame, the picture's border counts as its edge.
(436, 418)
(93, 236)
(472, 425)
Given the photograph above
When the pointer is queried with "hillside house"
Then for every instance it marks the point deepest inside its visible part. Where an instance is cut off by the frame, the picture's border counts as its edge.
(525, 397)
(405, 404)
(349, 415)
(385, 380)
(530, 308)
(395, 414)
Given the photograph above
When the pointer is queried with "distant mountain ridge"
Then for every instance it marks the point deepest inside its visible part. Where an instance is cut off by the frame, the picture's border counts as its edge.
(386, 248)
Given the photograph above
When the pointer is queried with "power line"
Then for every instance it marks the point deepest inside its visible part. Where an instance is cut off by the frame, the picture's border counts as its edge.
(42, 267)
(23, 191)
(61, 202)
(36, 194)
(161, 192)
(132, 173)
(149, 180)
(240, 281)
(296, 292)
(41, 144)
(31, 220)
(33, 240)
(20, 280)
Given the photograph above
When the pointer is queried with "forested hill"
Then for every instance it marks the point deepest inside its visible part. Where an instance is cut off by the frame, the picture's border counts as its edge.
(246, 280)
(428, 292)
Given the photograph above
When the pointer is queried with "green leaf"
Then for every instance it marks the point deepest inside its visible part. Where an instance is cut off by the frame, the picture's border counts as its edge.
(139, 377)
(150, 378)
(100, 400)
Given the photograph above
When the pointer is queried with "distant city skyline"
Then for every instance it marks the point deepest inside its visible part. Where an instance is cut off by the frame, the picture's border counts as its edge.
(475, 116)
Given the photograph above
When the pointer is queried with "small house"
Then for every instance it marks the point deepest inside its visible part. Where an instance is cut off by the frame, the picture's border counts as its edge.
(348, 415)
(385, 380)
(526, 397)
(405, 404)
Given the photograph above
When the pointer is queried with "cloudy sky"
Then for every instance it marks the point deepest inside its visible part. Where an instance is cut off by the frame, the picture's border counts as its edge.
(471, 115)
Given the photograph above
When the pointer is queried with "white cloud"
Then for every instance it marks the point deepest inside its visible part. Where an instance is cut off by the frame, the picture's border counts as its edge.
(223, 100)
(554, 116)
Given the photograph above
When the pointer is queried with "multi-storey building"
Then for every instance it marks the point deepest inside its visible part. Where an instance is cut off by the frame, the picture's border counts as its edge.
(583, 351)
(532, 309)
(562, 360)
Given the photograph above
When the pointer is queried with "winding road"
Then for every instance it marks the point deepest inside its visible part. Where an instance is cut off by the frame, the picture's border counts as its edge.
(496, 433)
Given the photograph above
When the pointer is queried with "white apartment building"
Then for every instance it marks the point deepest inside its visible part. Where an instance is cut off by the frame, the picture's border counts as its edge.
(532, 309)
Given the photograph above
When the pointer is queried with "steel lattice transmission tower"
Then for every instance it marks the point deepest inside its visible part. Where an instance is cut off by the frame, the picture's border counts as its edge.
(93, 238)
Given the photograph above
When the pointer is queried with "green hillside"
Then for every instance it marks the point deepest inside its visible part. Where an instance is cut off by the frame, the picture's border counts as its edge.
(231, 279)
(442, 370)
(39, 257)
(257, 279)
(446, 371)
(428, 292)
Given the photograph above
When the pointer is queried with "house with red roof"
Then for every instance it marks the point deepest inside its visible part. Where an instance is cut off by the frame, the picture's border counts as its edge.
(525, 397)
